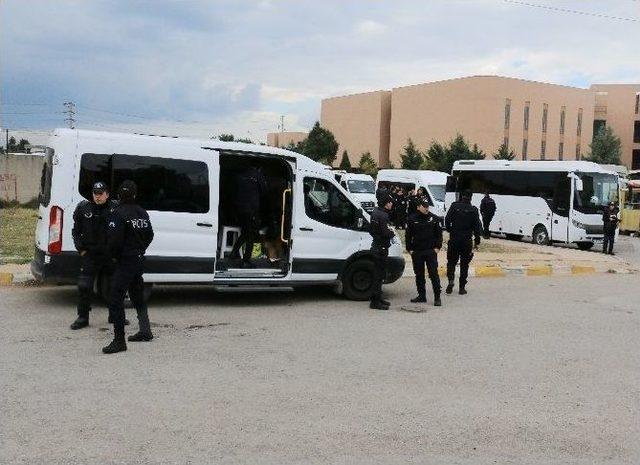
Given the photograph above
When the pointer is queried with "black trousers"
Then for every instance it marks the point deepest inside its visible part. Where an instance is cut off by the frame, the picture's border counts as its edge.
(249, 230)
(429, 259)
(91, 266)
(127, 277)
(607, 244)
(380, 261)
(459, 250)
(486, 221)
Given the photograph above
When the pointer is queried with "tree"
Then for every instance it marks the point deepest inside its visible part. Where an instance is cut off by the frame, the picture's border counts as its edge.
(17, 147)
(436, 157)
(321, 145)
(298, 148)
(345, 163)
(504, 153)
(411, 158)
(12, 146)
(441, 158)
(605, 148)
(226, 137)
(367, 164)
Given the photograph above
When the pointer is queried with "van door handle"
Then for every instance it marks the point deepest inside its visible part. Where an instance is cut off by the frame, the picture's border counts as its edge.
(205, 225)
(306, 229)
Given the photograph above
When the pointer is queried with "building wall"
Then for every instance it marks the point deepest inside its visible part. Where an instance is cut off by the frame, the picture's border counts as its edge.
(282, 139)
(616, 104)
(475, 107)
(20, 176)
(360, 124)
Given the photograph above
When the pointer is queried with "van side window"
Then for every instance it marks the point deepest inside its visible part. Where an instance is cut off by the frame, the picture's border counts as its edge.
(94, 167)
(325, 203)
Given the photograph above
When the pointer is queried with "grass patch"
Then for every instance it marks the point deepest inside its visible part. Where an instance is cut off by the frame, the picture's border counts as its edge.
(17, 229)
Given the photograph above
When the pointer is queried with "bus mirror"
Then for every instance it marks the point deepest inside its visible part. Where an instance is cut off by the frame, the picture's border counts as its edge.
(579, 185)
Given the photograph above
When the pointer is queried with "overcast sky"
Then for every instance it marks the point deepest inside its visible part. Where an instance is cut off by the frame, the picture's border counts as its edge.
(201, 68)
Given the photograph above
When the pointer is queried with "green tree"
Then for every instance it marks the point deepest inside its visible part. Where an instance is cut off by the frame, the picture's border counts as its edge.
(605, 148)
(321, 145)
(504, 153)
(411, 158)
(298, 148)
(436, 157)
(226, 138)
(22, 145)
(12, 146)
(367, 164)
(345, 163)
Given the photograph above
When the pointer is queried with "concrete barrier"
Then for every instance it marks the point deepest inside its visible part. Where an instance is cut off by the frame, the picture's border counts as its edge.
(20, 176)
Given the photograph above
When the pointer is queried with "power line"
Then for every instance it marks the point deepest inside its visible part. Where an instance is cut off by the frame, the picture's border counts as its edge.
(567, 10)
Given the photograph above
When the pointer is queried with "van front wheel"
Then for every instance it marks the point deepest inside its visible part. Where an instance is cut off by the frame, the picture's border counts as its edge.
(357, 280)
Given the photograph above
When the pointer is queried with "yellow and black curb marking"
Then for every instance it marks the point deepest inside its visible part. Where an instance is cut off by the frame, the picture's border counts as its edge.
(499, 271)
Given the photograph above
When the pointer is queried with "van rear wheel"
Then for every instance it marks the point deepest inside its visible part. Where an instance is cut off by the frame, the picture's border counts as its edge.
(357, 280)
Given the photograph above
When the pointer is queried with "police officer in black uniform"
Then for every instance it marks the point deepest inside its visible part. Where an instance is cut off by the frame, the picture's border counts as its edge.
(90, 239)
(424, 241)
(610, 220)
(129, 234)
(487, 211)
(382, 236)
(462, 222)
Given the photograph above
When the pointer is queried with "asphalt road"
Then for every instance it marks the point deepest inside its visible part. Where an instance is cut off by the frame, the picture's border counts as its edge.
(521, 370)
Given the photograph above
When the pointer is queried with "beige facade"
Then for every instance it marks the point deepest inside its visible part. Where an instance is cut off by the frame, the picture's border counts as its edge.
(360, 123)
(618, 106)
(282, 139)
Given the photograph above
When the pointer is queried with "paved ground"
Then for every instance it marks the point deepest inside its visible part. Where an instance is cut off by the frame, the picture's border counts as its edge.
(525, 371)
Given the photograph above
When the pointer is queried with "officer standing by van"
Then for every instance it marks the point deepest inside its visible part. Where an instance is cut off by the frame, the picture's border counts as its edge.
(424, 241)
(128, 236)
(610, 220)
(463, 223)
(90, 237)
(487, 211)
(382, 235)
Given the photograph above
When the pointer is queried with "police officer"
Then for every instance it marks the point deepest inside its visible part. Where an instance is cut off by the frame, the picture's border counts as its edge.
(382, 236)
(462, 222)
(487, 211)
(128, 236)
(90, 239)
(252, 189)
(610, 220)
(424, 241)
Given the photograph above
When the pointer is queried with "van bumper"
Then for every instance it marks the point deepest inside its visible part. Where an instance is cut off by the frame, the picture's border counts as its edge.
(55, 269)
(395, 268)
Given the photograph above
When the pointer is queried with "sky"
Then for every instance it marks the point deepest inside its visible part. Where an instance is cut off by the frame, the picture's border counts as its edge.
(203, 67)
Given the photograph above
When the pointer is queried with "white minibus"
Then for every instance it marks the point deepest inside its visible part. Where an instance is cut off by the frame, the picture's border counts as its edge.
(433, 182)
(362, 188)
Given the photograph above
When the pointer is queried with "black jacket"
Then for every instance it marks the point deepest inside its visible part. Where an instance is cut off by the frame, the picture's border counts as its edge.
(487, 206)
(130, 232)
(379, 229)
(90, 226)
(463, 222)
(252, 188)
(424, 232)
(610, 219)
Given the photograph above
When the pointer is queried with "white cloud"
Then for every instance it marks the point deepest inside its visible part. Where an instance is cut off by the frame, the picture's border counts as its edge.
(368, 28)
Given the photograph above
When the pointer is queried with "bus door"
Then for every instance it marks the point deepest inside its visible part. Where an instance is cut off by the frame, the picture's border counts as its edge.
(561, 208)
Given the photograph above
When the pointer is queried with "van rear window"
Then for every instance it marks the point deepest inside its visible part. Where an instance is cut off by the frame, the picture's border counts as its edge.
(45, 179)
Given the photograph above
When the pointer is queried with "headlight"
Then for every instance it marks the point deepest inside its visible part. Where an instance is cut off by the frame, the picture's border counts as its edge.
(578, 225)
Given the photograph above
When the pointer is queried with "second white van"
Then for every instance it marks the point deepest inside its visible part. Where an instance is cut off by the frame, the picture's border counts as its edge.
(434, 182)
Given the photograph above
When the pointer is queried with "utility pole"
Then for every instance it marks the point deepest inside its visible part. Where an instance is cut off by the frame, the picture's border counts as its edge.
(70, 112)
(281, 123)
(6, 133)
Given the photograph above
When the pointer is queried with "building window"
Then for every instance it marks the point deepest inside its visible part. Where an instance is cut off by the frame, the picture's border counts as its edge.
(525, 146)
(560, 150)
(578, 154)
(507, 113)
(598, 126)
(543, 150)
(637, 102)
(563, 113)
(579, 130)
(636, 132)
(635, 160)
(545, 114)
(526, 115)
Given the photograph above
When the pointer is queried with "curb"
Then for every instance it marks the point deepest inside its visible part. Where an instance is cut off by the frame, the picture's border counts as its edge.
(8, 279)
(499, 271)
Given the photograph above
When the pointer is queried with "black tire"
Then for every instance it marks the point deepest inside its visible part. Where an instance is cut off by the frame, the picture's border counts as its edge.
(585, 245)
(357, 280)
(540, 235)
(514, 237)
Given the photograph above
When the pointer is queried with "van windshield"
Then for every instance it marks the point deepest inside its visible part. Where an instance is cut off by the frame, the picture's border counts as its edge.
(361, 187)
(437, 191)
(598, 189)
(45, 179)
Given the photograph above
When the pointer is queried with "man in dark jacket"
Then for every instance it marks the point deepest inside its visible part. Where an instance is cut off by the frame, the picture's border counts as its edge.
(462, 222)
(382, 236)
(252, 190)
(128, 236)
(610, 220)
(487, 210)
(424, 241)
(90, 239)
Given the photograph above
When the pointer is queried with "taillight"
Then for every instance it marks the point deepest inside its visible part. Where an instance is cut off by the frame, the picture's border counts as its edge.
(55, 230)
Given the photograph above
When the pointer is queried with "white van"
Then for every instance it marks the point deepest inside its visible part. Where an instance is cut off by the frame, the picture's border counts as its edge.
(188, 188)
(362, 188)
(434, 182)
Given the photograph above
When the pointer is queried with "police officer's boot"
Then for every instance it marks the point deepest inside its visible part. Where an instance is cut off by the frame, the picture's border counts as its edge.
(436, 300)
(449, 288)
(419, 299)
(81, 322)
(378, 305)
(462, 290)
(144, 332)
(118, 344)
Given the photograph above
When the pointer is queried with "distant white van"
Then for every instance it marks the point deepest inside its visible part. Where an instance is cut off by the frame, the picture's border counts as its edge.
(362, 188)
(434, 183)
(188, 187)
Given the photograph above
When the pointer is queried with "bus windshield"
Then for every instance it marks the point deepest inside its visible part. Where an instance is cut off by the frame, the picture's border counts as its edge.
(598, 189)
(361, 187)
(438, 191)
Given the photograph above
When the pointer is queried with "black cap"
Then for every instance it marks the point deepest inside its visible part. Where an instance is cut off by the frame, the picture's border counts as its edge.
(99, 187)
(127, 190)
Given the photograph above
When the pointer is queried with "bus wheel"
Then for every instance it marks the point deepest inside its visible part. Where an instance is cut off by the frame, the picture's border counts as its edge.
(357, 281)
(585, 245)
(540, 235)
